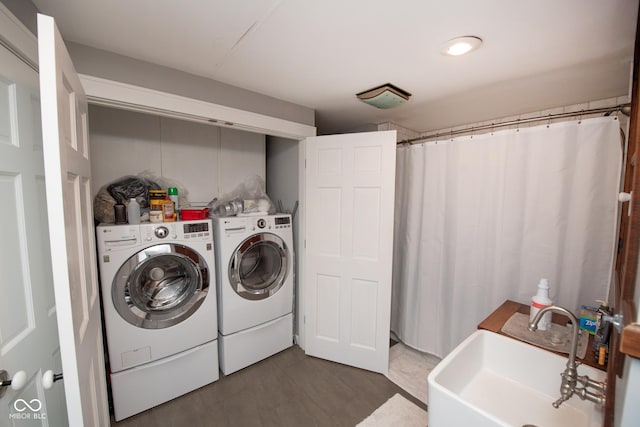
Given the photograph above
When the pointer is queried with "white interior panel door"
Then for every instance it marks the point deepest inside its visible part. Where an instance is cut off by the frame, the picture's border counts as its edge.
(28, 326)
(71, 231)
(350, 185)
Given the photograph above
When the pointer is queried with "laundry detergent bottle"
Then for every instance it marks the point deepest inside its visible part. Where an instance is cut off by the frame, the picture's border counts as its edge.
(133, 211)
(539, 301)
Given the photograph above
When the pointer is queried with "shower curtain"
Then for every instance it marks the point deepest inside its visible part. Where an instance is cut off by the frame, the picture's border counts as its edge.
(480, 219)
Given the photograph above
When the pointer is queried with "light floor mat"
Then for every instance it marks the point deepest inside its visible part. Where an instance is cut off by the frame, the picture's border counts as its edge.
(409, 368)
(397, 411)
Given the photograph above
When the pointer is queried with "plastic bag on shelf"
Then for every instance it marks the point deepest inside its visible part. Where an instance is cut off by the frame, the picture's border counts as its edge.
(120, 191)
(165, 183)
(132, 187)
(103, 205)
(128, 187)
(248, 198)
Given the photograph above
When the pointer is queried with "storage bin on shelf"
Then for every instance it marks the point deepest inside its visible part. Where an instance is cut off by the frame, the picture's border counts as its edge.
(190, 214)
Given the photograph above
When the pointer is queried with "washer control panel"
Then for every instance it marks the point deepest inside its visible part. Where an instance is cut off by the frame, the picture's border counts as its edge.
(180, 230)
(196, 227)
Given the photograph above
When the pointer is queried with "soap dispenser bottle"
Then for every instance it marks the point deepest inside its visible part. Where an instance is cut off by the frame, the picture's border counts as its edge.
(539, 301)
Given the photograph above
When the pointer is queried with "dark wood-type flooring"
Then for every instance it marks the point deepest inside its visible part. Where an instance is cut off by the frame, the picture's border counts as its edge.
(287, 389)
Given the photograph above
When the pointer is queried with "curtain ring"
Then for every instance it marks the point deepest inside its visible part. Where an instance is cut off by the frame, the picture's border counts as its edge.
(548, 121)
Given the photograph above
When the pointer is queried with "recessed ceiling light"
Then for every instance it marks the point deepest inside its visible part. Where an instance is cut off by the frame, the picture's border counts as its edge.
(461, 45)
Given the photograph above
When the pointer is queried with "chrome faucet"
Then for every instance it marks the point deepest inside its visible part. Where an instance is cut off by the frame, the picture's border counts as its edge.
(570, 377)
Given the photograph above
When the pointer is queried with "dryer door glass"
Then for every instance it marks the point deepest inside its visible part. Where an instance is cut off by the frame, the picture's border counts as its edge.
(259, 266)
(160, 286)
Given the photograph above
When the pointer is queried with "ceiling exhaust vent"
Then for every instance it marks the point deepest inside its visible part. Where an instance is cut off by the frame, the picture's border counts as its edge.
(385, 96)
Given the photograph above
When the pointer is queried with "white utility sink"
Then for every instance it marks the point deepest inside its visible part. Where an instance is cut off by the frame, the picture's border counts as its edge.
(494, 380)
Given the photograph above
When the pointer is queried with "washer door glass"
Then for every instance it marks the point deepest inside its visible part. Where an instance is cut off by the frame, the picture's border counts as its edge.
(160, 286)
(259, 266)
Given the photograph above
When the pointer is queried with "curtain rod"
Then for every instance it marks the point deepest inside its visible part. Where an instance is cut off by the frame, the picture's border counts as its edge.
(623, 108)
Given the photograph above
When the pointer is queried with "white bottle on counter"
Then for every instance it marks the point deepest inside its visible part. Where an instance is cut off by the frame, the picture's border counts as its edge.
(540, 301)
(133, 212)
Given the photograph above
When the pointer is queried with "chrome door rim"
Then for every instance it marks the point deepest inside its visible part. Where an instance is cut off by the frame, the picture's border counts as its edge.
(160, 286)
(238, 278)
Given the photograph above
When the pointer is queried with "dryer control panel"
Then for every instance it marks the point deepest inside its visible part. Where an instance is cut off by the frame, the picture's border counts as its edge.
(282, 221)
(274, 221)
(235, 225)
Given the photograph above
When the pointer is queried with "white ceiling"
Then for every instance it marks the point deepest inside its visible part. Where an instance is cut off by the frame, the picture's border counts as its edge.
(320, 53)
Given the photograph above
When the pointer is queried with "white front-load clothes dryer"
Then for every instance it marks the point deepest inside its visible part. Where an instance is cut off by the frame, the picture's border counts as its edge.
(255, 265)
(160, 311)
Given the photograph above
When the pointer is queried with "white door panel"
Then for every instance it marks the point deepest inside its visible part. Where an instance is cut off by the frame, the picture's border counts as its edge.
(28, 326)
(350, 183)
(68, 183)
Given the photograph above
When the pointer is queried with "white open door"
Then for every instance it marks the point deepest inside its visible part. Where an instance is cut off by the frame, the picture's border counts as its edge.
(71, 231)
(350, 186)
(28, 325)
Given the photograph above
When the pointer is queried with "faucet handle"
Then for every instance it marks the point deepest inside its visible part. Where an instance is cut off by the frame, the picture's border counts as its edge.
(616, 320)
(558, 402)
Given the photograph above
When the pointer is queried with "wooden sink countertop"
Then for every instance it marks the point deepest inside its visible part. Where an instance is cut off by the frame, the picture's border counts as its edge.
(499, 317)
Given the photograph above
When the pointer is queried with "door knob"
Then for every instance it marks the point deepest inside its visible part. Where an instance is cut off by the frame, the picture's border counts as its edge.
(48, 378)
(16, 383)
(626, 197)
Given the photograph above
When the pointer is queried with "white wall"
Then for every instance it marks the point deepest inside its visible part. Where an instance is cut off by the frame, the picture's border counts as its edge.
(111, 66)
(208, 161)
(25, 11)
(542, 114)
(282, 184)
(282, 170)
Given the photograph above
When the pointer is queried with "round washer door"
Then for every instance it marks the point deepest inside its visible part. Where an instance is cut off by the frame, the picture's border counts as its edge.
(160, 286)
(259, 266)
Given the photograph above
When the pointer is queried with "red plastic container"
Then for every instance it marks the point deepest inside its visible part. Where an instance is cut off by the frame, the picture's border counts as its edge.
(189, 214)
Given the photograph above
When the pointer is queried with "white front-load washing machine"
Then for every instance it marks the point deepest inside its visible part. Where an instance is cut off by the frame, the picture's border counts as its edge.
(160, 311)
(255, 264)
